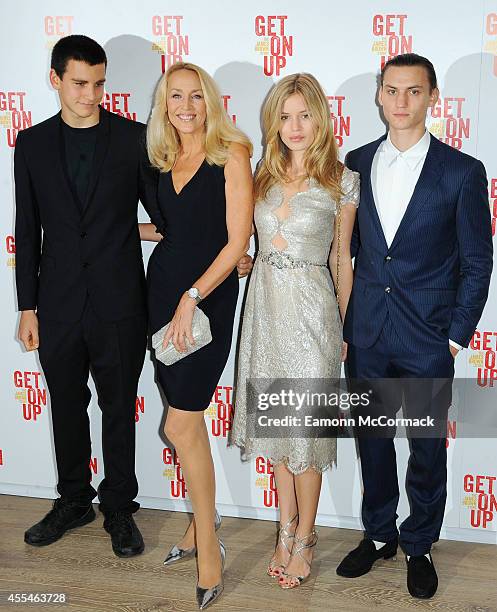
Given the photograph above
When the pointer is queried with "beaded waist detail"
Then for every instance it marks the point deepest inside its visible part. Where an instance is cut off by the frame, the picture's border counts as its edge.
(280, 259)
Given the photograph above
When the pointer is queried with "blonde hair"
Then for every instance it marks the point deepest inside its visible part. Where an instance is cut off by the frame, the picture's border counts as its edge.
(321, 158)
(163, 142)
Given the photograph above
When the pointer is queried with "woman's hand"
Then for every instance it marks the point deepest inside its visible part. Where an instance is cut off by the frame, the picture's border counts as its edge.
(148, 231)
(344, 351)
(181, 325)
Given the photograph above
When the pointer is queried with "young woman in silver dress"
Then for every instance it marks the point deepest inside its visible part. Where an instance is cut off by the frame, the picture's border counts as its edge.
(292, 323)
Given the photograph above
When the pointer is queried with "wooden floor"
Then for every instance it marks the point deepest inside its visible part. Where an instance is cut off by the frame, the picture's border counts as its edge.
(83, 566)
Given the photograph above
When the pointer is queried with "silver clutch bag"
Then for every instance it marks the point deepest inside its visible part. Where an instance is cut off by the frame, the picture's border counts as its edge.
(201, 332)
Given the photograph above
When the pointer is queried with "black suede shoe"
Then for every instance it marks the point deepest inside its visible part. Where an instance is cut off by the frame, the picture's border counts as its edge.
(360, 560)
(64, 515)
(422, 579)
(125, 535)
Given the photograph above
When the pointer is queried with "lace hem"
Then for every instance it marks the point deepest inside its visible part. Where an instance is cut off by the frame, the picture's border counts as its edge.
(293, 465)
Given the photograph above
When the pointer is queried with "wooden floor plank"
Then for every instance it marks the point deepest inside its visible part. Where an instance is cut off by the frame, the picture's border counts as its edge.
(83, 566)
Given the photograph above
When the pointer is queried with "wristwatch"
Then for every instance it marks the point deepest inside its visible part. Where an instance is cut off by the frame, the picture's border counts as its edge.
(194, 294)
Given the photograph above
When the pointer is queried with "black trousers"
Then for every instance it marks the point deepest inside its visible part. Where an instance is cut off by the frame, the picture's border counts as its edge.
(114, 353)
(426, 478)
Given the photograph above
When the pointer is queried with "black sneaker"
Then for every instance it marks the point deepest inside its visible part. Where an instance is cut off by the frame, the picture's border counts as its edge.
(422, 579)
(125, 535)
(64, 515)
(360, 560)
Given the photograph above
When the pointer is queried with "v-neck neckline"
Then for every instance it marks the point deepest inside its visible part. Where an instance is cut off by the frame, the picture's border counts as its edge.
(178, 193)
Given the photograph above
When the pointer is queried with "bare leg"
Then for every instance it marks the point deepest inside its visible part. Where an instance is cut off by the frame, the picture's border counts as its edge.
(307, 488)
(288, 509)
(188, 539)
(188, 433)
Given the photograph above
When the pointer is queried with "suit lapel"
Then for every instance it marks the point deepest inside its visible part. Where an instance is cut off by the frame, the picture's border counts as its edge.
(101, 147)
(428, 180)
(370, 202)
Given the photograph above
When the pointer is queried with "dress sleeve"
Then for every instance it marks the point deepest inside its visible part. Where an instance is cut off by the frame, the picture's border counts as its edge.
(350, 187)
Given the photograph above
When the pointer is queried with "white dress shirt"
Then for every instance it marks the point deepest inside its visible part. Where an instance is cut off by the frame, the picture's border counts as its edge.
(394, 175)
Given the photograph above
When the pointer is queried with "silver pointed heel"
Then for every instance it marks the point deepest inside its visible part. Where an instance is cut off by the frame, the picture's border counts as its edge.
(206, 597)
(182, 554)
(179, 554)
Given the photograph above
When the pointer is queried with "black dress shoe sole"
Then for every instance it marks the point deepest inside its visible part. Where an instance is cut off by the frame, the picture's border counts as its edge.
(422, 596)
(88, 517)
(362, 572)
(128, 553)
(125, 552)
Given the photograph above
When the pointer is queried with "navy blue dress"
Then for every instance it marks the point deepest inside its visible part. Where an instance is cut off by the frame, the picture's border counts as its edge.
(193, 224)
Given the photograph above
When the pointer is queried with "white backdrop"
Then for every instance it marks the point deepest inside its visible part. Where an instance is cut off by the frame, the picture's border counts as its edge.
(246, 49)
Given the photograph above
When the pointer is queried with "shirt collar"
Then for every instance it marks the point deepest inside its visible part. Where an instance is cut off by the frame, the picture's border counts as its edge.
(412, 156)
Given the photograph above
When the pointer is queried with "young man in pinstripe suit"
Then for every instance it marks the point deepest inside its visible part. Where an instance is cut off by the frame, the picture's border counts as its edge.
(423, 260)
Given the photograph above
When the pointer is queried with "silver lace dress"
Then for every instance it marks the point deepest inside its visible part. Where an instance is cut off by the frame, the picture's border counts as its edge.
(291, 326)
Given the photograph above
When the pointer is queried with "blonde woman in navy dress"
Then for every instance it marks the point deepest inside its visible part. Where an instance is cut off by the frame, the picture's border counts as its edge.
(204, 213)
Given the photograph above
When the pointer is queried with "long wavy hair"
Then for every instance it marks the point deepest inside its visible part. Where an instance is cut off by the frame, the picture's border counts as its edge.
(321, 158)
(163, 142)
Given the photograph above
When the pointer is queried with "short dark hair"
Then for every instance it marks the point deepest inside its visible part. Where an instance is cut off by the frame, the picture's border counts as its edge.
(76, 47)
(412, 59)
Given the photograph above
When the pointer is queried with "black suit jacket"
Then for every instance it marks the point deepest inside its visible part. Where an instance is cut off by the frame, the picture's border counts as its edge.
(63, 255)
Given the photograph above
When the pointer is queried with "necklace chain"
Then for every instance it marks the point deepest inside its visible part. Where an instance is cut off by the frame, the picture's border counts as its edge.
(298, 177)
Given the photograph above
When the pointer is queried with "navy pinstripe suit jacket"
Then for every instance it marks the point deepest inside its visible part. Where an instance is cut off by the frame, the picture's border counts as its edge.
(433, 280)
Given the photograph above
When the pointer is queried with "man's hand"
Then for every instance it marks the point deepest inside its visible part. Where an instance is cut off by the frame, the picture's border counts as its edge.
(453, 350)
(28, 330)
(244, 265)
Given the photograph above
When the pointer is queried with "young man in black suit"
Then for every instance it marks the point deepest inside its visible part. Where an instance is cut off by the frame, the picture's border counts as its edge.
(80, 288)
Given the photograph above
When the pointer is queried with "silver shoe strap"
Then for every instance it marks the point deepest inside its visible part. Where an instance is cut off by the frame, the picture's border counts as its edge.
(300, 545)
(283, 531)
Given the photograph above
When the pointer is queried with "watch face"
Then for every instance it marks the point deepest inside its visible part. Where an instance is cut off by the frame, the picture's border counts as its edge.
(193, 292)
